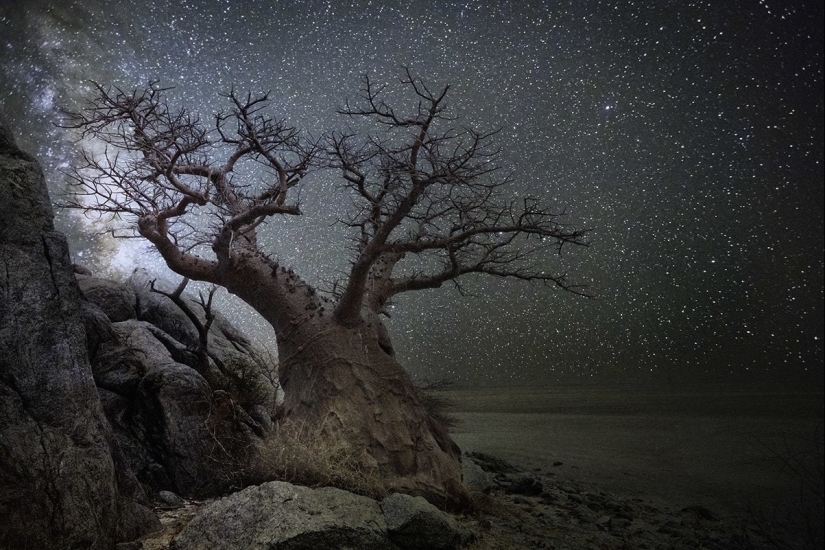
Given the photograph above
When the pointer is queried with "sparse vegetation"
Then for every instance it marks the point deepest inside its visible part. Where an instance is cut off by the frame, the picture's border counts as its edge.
(301, 453)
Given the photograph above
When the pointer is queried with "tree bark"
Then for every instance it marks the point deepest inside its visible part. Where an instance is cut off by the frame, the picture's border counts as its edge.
(346, 382)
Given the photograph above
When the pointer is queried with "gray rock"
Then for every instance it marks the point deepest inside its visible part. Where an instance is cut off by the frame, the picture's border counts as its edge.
(474, 477)
(64, 482)
(98, 328)
(184, 426)
(116, 300)
(160, 311)
(173, 415)
(262, 416)
(491, 464)
(168, 498)
(235, 365)
(121, 362)
(413, 524)
(279, 515)
(524, 485)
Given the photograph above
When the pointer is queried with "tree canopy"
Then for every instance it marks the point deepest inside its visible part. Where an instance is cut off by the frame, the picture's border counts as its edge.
(424, 190)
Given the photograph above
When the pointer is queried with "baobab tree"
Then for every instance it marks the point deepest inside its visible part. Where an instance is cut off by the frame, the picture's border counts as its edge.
(427, 206)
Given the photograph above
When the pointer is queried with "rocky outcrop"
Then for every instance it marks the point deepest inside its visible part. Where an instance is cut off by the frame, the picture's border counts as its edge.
(187, 423)
(279, 515)
(64, 482)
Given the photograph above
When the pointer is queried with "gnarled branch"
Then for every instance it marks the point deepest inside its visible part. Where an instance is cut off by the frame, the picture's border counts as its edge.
(425, 188)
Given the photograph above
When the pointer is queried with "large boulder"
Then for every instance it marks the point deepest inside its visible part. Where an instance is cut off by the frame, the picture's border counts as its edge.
(64, 482)
(186, 425)
(235, 365)
(116, 300)
(281, 516)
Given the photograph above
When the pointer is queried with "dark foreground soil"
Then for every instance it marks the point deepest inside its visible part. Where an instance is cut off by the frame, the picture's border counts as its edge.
(627, 468)
(561, 516)
(535, 510)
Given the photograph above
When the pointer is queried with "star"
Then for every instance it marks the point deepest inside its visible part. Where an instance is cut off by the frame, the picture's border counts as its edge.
(689, 139)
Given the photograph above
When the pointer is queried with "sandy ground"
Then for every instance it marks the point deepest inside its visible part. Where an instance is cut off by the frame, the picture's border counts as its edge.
(715, 446)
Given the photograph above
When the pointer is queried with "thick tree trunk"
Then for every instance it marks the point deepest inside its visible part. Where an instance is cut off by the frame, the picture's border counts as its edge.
(346, 382)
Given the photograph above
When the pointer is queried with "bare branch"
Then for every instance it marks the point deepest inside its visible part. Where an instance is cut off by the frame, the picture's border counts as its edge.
(157, 170)
(423, 186)
(202, 349)
(429, 199)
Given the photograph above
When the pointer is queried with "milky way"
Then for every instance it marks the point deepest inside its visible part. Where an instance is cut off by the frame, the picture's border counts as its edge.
(688, 136)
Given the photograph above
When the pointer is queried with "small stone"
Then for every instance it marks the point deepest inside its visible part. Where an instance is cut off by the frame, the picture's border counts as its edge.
(412, 522)
(168, 498)
(525, 486)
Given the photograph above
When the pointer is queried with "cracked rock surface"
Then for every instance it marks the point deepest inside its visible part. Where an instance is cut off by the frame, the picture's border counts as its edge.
(63, 480)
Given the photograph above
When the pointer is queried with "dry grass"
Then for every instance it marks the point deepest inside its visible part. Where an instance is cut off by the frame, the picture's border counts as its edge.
(299, 453)
(306, 454)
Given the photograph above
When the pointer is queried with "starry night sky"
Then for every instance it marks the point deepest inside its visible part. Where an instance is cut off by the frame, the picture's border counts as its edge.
(687, 135)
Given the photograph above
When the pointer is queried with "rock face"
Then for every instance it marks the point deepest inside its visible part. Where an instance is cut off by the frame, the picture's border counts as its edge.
(186, 424)
(64, 482)
(279, 515)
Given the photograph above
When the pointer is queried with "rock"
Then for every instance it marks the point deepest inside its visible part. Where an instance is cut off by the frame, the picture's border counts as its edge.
(160, 311)
(525, 486)
(413, 523)
(236, 365)
(474, 477)
(184, 425)
(64, 482)
(116, 300)
(98, 327)
(176, 434)
(279, 515)
(701, 512)
(262, 416)
(175, 415)
(121, 362)
(168, 498)
(491, 464)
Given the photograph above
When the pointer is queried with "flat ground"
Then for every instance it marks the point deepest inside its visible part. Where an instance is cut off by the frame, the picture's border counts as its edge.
(728, 449)
(628, 467)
